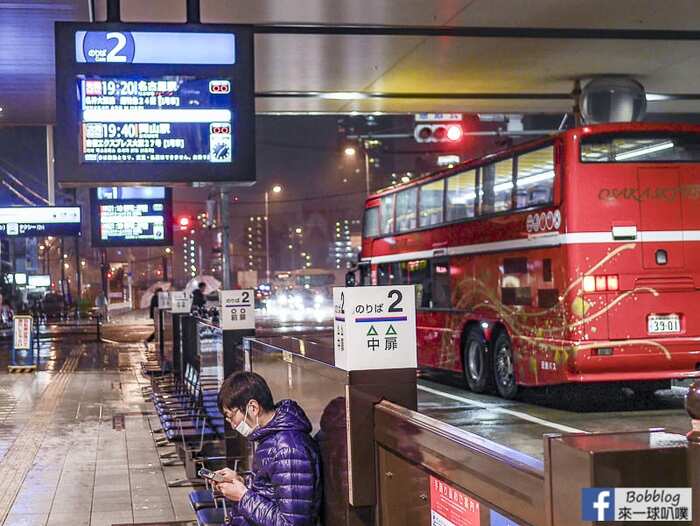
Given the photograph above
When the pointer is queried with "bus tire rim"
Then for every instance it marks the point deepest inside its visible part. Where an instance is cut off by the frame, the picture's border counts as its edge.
(504, 366)
(476, 364)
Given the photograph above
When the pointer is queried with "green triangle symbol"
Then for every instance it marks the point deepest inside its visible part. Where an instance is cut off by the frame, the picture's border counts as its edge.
(372, 331)
(390, 331)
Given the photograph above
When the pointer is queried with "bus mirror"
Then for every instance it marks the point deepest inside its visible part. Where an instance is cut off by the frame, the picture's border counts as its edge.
(350, 279)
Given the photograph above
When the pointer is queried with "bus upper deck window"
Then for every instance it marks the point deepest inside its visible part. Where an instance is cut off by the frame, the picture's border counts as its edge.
(641, 148)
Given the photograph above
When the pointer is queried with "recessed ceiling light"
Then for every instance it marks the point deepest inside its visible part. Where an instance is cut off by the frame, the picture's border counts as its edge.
(0, 109)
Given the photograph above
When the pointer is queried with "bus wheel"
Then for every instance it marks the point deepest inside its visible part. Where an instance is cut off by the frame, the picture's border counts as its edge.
(476, 361)
(504, 367)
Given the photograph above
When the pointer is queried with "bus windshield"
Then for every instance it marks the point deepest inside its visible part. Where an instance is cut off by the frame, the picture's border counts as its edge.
(640, 147)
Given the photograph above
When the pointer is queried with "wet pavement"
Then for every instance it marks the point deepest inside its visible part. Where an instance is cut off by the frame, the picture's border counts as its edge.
(521, 423)
(62, 461)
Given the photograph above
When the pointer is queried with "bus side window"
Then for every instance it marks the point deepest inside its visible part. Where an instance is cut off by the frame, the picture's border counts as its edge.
(406, 203)
(497, 187)
(386, 215)
(460, 197)
(383, 274)
(365, 274)
(535, 178)
(419, 275)
(441, 298)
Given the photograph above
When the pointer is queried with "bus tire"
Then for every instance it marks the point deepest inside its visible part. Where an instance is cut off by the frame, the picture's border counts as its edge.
(476, 361)
(504, 366)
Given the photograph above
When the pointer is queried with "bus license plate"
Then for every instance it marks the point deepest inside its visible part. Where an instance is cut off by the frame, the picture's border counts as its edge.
(664, 324)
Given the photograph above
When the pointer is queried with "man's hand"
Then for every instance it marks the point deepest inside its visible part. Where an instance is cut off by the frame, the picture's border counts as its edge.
(228, 474)
(233, 491)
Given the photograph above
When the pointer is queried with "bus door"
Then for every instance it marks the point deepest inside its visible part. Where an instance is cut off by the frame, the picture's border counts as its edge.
(662, 221)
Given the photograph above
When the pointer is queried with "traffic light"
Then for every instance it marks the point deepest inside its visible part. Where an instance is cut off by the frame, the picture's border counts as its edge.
(427, 132)
(184, 222)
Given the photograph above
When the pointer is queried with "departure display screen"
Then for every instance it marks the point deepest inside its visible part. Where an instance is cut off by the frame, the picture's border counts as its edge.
(39, 221)
(154, 104)
(131, 216)
(155, 119)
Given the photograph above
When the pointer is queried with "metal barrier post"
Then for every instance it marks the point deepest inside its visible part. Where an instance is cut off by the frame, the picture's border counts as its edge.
(692, 405)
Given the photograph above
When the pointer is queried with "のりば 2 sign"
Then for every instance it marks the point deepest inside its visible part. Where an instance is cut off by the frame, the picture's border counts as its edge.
(451, 507)
(375, 327)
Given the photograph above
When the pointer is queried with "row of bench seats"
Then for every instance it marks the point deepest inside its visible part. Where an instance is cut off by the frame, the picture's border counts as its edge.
(190, 420)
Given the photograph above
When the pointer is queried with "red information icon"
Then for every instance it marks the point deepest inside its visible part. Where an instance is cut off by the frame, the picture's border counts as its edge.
(451, 507)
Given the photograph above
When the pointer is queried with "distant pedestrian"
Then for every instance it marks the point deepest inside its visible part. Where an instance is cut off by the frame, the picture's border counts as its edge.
(152, 312)
(198, 298)
(285, 486)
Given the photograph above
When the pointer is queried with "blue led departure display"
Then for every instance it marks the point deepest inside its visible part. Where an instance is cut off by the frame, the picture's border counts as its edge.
(131, 216)
(164, 119)
(154, 104)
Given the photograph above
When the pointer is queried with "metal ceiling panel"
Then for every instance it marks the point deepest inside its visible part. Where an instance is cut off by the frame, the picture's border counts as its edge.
(406, 64)
(27, 56)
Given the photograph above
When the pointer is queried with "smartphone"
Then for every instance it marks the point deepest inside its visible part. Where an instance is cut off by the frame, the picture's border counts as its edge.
(211, 475)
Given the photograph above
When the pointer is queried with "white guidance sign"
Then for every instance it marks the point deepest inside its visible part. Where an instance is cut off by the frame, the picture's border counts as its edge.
(180, 302)
(163, 300)
(375, 327)
(237, 310)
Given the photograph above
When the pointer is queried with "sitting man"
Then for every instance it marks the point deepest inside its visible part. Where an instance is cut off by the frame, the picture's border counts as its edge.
(285, 487)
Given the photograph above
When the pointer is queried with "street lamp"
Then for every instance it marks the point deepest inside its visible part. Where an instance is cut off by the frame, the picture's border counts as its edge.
(351, 151)
(276, 189)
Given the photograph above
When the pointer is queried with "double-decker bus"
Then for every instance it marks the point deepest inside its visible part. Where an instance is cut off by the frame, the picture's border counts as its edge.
(574, 258)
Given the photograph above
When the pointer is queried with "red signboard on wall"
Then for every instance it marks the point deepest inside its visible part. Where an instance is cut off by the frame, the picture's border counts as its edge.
(451, 507)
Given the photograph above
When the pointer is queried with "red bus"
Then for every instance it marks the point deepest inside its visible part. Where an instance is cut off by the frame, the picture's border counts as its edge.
(574, 258)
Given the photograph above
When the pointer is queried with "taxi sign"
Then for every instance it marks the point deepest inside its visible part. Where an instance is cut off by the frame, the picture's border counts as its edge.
(237, 309)
(22, 332)
(180, 302)
(375, 327)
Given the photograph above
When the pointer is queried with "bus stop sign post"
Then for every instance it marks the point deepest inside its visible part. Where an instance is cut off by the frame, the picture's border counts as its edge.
(375, 327)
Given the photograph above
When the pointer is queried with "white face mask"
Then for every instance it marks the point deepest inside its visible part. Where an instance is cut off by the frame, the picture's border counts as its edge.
(243, 428)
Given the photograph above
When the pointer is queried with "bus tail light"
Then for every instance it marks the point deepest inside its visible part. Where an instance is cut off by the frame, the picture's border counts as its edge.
(601, 283)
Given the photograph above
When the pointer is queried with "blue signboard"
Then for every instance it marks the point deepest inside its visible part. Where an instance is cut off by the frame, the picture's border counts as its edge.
(154, 104)
(154, 47)
(499, 520)
(39, 221)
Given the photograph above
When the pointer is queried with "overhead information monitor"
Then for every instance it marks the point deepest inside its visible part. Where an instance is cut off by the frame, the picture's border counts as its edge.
(131, 216)
(164, 119)
(38, 221)
(154, 103)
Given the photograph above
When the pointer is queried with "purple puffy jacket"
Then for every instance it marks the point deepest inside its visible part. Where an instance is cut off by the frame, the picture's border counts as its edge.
(286, 488)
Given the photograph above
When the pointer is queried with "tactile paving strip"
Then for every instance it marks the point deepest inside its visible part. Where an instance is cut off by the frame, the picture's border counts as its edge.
(20, 456)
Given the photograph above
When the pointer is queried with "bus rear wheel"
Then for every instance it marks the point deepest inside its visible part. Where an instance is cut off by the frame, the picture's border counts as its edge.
(504, 366)
(476, 361)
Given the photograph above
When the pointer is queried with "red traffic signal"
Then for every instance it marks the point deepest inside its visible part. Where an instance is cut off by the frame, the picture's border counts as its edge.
(438, 133)
(184, 222)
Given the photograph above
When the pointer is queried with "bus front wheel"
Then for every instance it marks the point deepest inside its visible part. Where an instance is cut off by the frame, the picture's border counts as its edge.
(476, 361)
(504, 366)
